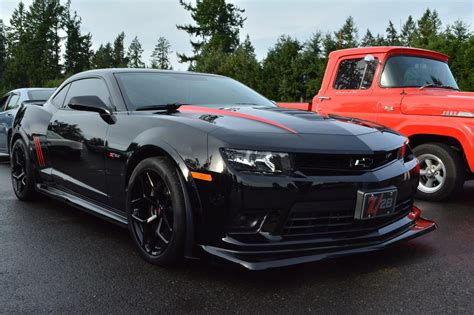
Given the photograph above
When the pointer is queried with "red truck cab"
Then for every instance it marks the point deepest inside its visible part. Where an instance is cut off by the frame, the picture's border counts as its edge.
(411, 91)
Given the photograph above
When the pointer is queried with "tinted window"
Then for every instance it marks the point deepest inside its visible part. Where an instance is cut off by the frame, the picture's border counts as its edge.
(58, 99)
(3, 102)
(144, 89)
(42, 95)
(87, 87)
(406, 71)
(13, 101)
(355, 74)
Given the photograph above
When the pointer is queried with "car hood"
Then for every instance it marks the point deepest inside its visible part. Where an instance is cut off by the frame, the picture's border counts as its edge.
(439, 102)
(273, 120)
(280, 129)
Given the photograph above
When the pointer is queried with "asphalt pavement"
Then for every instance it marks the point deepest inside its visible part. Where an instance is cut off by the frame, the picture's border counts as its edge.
(56, 259)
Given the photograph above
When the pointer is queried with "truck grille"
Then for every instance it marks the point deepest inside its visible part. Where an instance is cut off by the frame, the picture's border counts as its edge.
(332, 164)
(335, 220)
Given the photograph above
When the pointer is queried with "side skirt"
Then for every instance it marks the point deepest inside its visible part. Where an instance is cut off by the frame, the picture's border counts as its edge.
(83, 204)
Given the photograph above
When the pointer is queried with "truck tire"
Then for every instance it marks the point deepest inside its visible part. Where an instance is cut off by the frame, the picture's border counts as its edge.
(442, 171)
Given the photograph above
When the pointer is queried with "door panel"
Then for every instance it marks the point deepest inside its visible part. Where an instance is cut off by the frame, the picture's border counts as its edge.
(76, 142)
(350, 90)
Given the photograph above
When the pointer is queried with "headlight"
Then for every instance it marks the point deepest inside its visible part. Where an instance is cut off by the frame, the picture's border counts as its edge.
(259, 161)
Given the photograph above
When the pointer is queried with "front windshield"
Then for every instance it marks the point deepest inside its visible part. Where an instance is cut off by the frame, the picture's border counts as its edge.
(411, 71)
(142, 89)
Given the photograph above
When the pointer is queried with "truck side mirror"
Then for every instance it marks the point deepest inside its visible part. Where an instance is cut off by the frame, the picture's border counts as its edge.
(369, 58)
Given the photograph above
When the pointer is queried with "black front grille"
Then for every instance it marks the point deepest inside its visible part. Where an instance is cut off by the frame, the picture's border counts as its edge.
(335, 220)
(331, 164)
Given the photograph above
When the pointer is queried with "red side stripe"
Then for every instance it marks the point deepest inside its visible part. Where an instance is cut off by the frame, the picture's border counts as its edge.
(39, 153)
(234, 114)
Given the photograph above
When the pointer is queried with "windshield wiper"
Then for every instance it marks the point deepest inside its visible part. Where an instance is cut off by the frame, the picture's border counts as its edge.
(438, 86)
(170, 107)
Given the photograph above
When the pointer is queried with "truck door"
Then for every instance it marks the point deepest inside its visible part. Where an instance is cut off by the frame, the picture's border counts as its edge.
(350, 88)
(389, 94)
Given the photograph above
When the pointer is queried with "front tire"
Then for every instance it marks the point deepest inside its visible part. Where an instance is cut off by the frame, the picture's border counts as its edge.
(442, 171)
(22, 172)
(156, 211)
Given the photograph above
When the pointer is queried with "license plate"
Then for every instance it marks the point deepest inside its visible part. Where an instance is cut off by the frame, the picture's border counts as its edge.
(377, 203)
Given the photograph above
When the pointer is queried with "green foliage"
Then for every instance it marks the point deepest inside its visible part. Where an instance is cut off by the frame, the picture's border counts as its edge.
(368, 39)
(408, 32)
(160, 57)
(78, 54)
(281, 71)
(134, 54)
(120, 60)
(103, 57)
(217, 27)
(348, 34)
(3, 53)
(392, 35)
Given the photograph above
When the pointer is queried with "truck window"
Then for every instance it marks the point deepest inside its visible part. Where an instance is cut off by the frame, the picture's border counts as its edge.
(355, 74)
(411, 71)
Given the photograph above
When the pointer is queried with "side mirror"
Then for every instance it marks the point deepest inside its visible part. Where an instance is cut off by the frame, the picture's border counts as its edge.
(92, 103)
(369, 58)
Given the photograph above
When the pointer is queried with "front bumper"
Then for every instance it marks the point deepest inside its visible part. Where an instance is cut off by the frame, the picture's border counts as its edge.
(263, 256)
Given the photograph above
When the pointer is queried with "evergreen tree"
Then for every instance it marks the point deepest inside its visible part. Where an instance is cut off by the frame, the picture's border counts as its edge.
(134, 55)
(329, 44)
(348, 34)
(368, 39)
(428, 27)
(160, 57)
(380, 40)
(408, 32)
(217, 26)
(242, 65)
(16, 70)
(78, 52)
(103, 57)
(3, 54)
(281, 71)
(312, 65)
(43, 22)
(392, 35)
(119, 57)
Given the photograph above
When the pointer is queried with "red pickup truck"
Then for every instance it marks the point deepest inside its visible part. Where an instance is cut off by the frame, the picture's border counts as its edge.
(411, 91)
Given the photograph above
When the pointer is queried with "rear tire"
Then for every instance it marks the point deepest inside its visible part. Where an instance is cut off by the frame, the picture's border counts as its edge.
(442, 171)
(22, 172)
(156, 211)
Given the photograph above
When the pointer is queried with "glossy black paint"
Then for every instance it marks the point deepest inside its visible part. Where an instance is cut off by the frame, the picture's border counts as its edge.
(88, 159)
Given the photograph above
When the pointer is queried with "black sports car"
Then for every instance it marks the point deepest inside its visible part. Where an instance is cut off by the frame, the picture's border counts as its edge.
(9, 104)
(196, 163)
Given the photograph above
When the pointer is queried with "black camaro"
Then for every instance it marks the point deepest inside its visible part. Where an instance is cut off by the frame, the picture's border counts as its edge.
(196, 163)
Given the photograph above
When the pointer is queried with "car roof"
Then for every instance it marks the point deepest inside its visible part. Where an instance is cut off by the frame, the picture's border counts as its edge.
(388, 49)
(26, 90)
(135, 70)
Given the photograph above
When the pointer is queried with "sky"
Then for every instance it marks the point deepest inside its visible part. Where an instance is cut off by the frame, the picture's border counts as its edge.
(266, 19)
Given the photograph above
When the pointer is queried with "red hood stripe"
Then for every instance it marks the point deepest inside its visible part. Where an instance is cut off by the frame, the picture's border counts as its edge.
(233, 114)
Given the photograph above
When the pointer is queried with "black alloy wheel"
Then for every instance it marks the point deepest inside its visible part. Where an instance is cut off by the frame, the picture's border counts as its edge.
(22, 172)
(156, 211)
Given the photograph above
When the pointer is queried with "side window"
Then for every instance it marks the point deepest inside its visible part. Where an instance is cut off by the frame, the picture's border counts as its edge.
(3, 102)
(13, 101)
(87, 87)
(58, 99)
(355, 74)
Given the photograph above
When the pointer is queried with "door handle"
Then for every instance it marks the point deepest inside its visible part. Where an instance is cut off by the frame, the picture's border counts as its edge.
(322, 98)
(9, 115)
(388, 108)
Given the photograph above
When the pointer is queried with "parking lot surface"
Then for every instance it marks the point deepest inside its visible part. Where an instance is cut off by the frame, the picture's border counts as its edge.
(54, 258)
